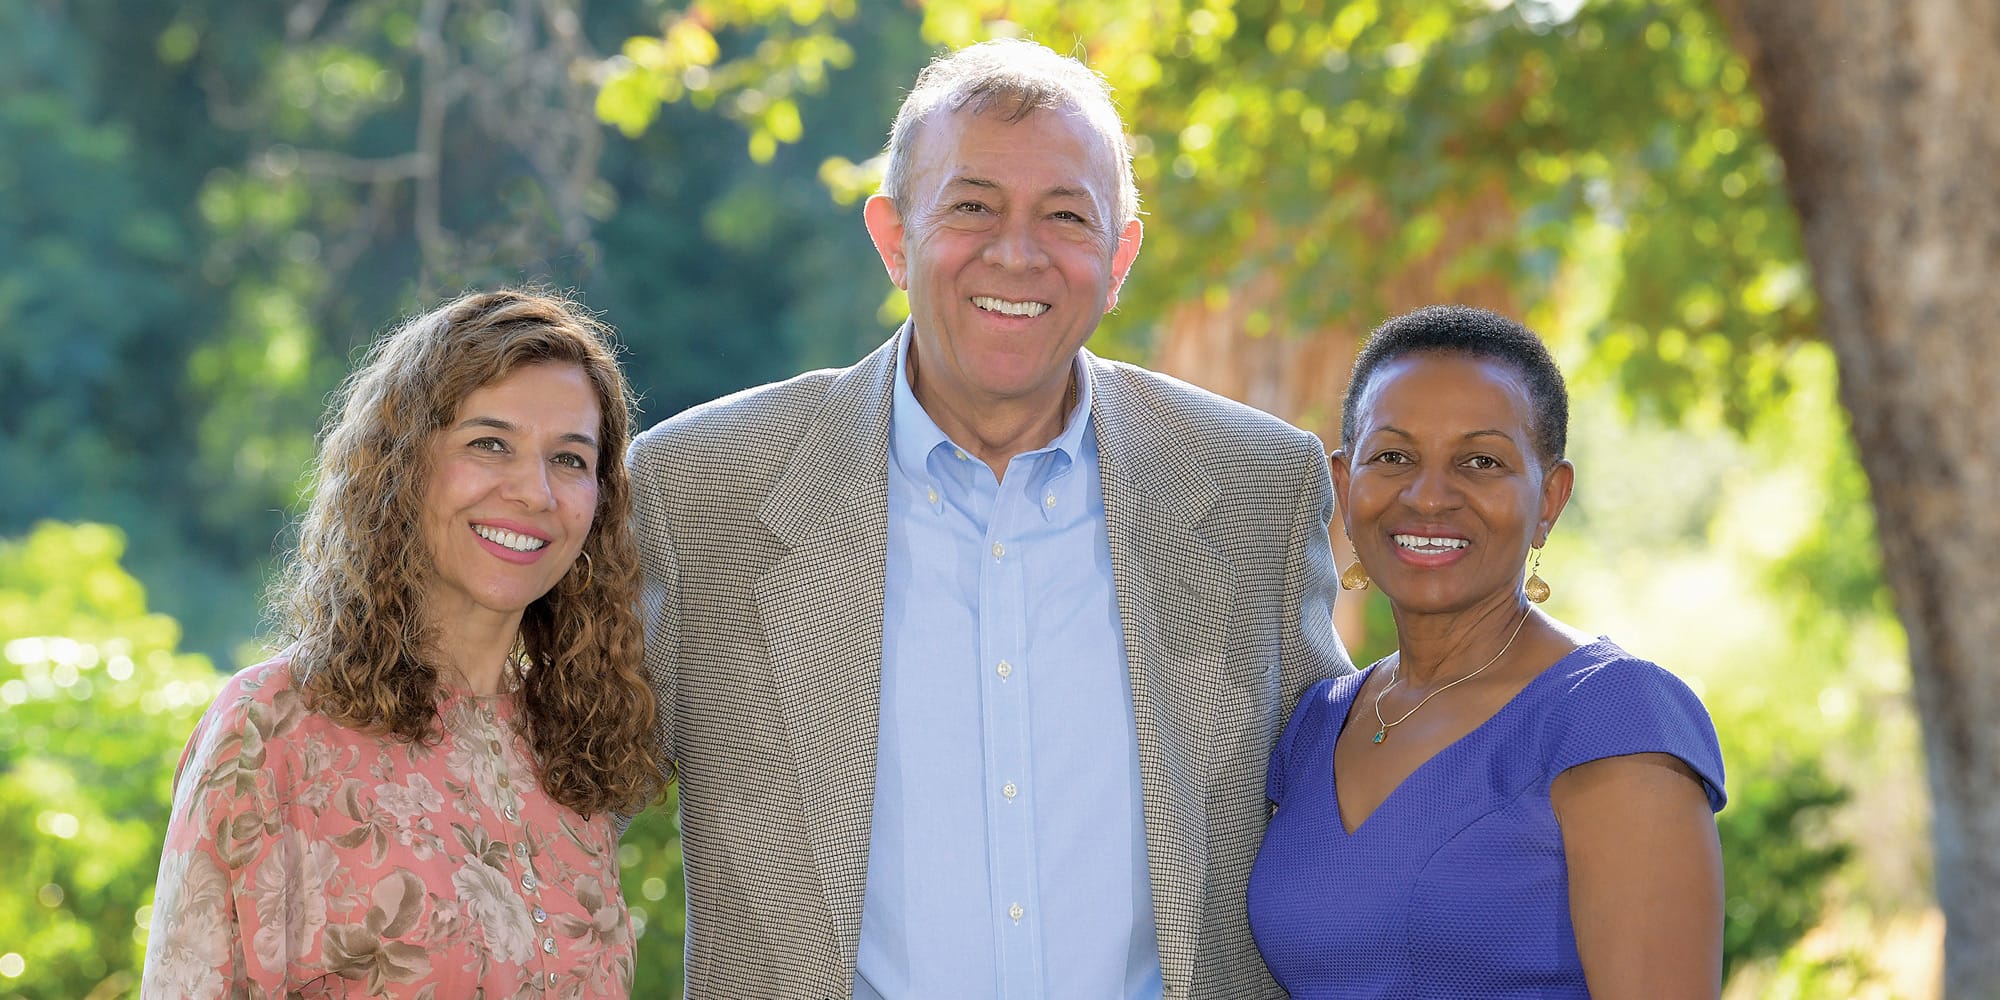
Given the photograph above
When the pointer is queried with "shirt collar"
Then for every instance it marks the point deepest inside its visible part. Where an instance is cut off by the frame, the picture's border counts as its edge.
(913, 435)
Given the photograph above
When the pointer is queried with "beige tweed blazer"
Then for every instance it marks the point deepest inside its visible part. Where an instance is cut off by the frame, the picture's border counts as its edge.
(762, 521)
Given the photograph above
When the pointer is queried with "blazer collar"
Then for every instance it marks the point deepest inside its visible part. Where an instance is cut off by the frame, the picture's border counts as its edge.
(1144, 448)
(839, 461)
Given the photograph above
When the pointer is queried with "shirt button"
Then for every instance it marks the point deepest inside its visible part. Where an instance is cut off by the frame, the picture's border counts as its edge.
(960, 452)
(1016, 912)
(999, 550)
(932, 494)
(541, 915)
(511, 813)
(521, 850)
(1009, 790)
(1049, 501)
(549, 945)
(528, 882)
(1005, 670)
(552, 979)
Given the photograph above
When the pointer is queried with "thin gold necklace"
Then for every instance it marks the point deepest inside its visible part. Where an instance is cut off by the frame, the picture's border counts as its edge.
(1382, 733)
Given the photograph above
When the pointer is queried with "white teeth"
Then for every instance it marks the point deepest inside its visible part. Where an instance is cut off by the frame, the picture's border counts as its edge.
(513, 540)
(1430, 544)
(991, 304)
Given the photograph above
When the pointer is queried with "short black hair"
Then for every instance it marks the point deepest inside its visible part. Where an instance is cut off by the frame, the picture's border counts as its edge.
(1468, 332)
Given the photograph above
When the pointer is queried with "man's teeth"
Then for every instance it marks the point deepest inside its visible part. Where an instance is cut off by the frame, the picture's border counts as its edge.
(513, 540)
(991, 304)
(1423, 543)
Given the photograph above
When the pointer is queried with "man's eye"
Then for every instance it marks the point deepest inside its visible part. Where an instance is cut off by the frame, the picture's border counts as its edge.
(1392, 458)
(1483, 462)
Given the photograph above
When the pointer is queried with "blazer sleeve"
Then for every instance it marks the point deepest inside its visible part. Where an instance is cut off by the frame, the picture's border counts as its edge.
(659, 593)
(1311, 650)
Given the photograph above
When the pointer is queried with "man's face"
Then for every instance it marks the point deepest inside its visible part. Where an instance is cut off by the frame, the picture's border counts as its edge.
(1010, 249)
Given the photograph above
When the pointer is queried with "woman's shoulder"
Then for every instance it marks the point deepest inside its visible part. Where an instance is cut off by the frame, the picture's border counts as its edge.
(1329, 697)
(1602, 671)
(256, 692)
(1601, 701)
(260, 704)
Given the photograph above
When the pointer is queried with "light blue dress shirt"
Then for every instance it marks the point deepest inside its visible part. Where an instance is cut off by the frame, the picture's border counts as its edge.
(1008, 850)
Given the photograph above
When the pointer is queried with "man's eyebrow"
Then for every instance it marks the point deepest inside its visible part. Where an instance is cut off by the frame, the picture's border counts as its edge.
(1059, 191)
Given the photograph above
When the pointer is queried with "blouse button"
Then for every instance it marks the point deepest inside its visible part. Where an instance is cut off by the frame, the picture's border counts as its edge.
(552, 979)
(493, 745)
(503, 781)
(549, 945)
(511, 813)
(528, 882)
(541, 915)
(521, 850)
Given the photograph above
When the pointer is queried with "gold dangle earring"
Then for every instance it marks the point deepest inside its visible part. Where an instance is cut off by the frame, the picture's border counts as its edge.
(589, 571)
(1536, 588)
(1354, 577)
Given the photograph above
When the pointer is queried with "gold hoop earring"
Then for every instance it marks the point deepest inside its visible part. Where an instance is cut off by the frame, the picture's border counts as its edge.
(1354, 577)
(1536, 588)
(589, 570)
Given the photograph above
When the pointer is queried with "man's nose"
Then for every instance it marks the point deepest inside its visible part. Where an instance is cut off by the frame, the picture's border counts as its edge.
(1015, 245)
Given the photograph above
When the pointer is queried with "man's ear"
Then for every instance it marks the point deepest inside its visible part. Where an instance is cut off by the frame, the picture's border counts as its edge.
(1121, 261)
(885, 227)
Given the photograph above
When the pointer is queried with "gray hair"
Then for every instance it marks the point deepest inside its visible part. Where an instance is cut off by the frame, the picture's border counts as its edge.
(1025, 74)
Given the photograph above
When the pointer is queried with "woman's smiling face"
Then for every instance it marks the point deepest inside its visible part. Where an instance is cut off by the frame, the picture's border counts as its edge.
(1443, 493)
(513, 490)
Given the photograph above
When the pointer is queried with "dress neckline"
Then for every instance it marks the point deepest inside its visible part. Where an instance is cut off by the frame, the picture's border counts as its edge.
(1354, 699)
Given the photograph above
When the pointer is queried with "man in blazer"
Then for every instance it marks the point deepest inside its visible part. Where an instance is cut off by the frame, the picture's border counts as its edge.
(971, 656)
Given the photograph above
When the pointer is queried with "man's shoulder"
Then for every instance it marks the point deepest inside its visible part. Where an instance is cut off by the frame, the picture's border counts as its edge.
(755, 413)
(1220, 421)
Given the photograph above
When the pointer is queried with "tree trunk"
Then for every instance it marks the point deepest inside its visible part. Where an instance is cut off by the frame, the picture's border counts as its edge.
(1887, 116)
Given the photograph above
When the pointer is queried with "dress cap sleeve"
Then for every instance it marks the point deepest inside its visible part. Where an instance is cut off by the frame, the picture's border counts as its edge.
(1618, 704)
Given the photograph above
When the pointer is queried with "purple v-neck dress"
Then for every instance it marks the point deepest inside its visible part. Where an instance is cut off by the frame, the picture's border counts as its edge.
(1455, 886)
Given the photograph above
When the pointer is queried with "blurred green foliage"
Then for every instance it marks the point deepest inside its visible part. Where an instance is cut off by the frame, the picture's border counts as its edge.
(95, 703)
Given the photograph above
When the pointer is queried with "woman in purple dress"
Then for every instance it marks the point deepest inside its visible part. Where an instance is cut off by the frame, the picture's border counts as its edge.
(1506, 806)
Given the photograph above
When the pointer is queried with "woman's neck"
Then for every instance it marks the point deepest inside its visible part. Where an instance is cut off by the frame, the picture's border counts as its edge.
(474, 649)
(1438, 648)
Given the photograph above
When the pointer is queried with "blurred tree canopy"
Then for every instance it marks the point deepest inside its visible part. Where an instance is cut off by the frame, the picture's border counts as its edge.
(210, 209)
(1326, 142)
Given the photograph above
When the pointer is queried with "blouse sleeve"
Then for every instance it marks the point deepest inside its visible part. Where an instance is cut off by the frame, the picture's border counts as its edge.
(1282, 754)
(1631, 706)
(205, 936)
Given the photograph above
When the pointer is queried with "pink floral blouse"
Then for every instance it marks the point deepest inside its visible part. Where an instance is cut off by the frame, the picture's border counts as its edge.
(306, 859)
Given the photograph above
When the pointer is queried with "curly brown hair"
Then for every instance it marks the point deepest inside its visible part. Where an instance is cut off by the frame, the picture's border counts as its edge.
(350, 599)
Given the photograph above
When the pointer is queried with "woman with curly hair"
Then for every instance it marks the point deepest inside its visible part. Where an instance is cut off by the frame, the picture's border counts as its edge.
(415, 797)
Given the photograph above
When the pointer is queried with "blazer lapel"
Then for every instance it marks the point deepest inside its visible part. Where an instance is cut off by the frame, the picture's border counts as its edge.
(1175, 593)
(821, 609)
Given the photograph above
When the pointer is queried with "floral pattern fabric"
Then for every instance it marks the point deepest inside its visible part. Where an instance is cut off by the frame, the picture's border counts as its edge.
(306, 859)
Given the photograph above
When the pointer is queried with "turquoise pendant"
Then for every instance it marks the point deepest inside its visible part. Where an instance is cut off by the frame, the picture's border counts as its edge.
(1379, 734)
